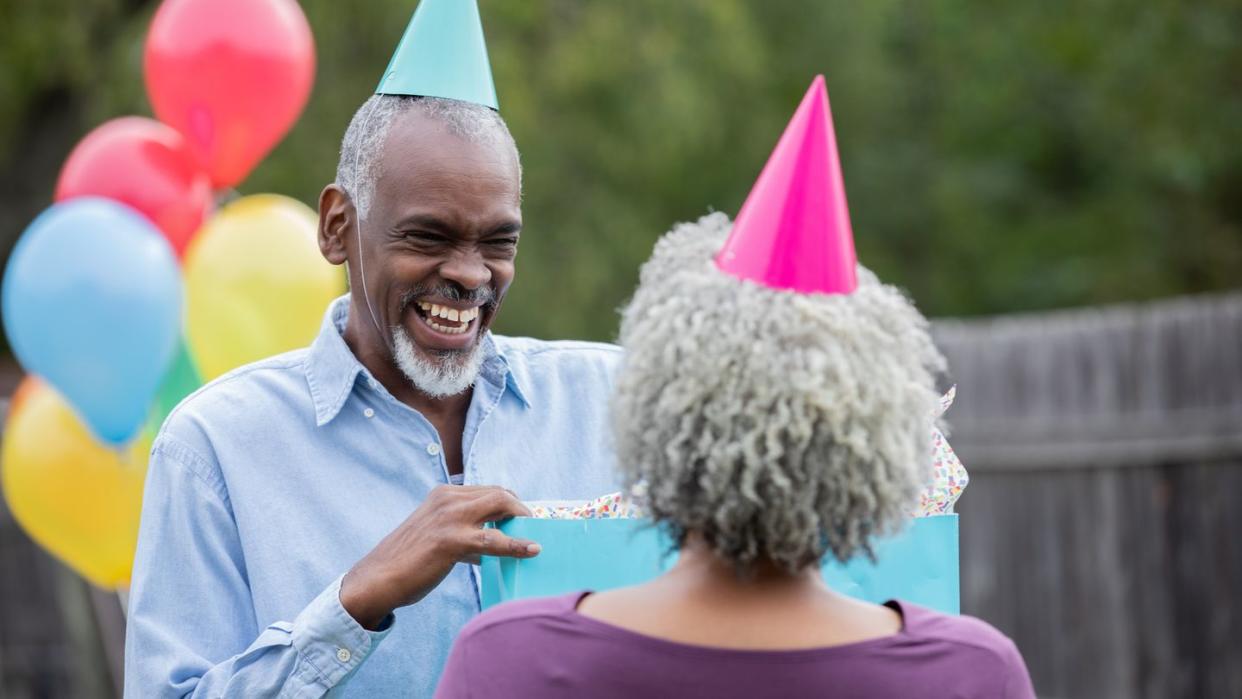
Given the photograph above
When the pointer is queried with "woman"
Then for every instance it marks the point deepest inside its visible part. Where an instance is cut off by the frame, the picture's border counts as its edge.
(772, 428)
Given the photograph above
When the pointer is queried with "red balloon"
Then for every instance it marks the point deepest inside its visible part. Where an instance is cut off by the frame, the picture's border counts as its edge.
(231, 75)
(147, 165)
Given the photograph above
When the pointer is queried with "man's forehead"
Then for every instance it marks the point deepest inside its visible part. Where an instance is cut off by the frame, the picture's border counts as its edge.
(423, 148)
(424, 167)
(413, 128)
(419, 144)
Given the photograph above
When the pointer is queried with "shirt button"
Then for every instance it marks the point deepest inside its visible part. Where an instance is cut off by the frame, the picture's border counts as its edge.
(433, 449)
(369, 412)
(343, 654)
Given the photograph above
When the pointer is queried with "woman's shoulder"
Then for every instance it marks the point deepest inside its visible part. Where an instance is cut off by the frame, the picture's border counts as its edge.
(975, 640)
(520, 613)
(952, 628)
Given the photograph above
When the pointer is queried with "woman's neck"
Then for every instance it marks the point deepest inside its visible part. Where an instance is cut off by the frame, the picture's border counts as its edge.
(698, 566)
(703, 601)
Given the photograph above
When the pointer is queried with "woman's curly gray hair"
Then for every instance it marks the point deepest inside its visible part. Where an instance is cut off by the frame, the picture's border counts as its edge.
(779, 426)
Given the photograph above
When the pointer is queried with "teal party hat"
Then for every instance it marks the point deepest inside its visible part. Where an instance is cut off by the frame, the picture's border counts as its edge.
(442, 54)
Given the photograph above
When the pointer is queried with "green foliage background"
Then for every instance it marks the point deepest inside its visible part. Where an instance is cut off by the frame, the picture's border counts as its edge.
(999, 156)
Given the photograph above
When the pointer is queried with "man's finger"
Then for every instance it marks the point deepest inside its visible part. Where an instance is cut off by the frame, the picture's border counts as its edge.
(498, 504)
(489, 541)
(481, 489)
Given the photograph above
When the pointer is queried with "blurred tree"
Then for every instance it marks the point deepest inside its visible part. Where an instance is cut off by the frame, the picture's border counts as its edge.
(998, 156)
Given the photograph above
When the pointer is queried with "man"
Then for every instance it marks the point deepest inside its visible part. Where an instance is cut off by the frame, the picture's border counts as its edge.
(300, 511)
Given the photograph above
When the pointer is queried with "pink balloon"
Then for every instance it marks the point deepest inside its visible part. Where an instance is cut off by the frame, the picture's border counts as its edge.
(147, 165)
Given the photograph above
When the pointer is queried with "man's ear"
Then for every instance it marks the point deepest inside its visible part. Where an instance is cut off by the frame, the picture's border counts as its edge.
(338, 221)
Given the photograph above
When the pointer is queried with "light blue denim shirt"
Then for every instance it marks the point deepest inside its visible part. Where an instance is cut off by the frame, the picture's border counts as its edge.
(265, 486)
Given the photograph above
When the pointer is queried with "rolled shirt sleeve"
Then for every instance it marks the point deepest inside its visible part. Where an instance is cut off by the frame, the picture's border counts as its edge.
(192, 629)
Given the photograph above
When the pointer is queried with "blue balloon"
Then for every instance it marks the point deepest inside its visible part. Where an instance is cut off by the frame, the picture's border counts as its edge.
(92, 303)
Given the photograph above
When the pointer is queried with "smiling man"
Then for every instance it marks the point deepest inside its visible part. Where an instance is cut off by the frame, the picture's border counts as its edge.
(303, 509)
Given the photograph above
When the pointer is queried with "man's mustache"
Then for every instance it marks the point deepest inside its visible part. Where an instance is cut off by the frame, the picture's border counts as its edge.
(482, 296)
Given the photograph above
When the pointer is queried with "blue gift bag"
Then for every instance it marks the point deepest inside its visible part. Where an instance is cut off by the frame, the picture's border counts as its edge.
(918, 565)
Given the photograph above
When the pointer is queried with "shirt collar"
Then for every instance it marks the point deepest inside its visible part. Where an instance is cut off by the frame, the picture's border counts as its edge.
(514, 382)
(332, 368)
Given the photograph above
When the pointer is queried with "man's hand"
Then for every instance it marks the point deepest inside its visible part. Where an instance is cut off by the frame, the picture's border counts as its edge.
(445, 530)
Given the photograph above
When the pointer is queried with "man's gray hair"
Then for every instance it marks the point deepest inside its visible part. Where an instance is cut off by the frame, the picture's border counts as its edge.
(779, 426)
(358, 167)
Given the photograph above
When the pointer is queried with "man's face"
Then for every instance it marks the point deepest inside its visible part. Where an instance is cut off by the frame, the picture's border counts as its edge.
(438, 246)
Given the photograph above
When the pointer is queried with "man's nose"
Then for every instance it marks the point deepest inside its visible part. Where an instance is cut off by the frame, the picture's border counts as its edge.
(467, 268)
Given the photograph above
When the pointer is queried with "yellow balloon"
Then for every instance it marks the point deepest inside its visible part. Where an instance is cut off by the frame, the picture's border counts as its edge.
(74, 496)
(256, 283)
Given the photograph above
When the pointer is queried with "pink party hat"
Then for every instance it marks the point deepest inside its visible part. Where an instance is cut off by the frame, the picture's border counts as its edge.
(794, 232)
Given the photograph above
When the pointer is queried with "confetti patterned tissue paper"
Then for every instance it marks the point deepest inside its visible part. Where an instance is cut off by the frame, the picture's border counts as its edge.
(610, 506)
(949, 476)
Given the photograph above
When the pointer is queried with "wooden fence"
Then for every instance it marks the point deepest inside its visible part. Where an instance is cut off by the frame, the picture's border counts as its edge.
(1101, 530)
(59, 636)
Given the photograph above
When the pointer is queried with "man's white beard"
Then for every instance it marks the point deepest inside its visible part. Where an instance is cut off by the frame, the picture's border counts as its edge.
(446, 377)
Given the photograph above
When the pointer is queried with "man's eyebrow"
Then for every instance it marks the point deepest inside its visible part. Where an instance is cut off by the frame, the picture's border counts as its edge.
(423, 221)
(507, 228)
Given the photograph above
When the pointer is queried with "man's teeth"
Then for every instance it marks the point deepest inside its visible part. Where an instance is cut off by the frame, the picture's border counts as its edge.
(435, 310)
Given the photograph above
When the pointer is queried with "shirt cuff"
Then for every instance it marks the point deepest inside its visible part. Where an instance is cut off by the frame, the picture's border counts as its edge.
(330, 640)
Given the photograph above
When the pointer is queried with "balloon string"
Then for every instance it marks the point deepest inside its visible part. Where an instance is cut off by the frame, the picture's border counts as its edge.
(362, 270)
(226, 196)
(125, 452)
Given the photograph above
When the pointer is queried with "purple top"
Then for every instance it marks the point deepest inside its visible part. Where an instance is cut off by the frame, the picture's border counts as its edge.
(544, 648)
